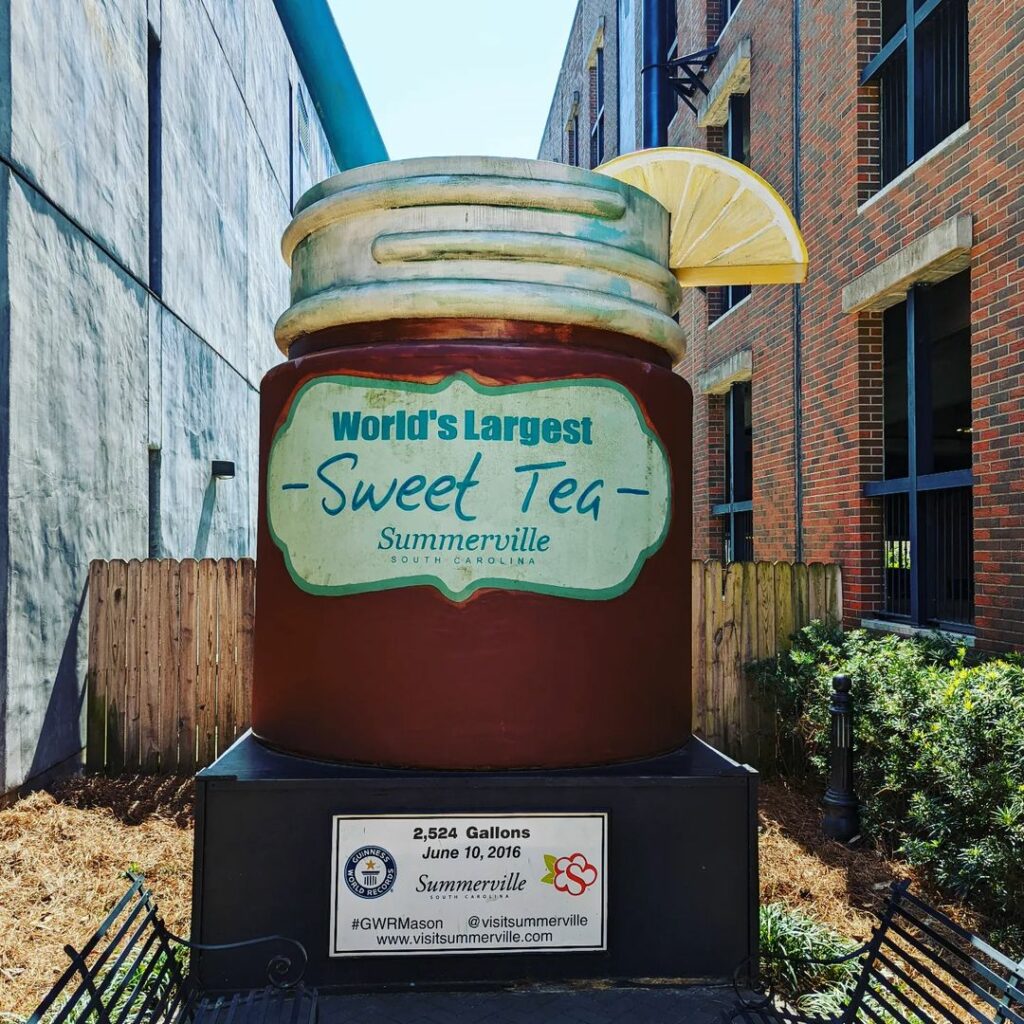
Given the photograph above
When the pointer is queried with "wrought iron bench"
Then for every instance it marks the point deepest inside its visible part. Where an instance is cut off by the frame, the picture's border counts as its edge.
(134, 970)
(918, 967)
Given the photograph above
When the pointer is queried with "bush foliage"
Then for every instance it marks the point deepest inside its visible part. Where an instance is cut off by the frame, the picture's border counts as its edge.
(938, 748)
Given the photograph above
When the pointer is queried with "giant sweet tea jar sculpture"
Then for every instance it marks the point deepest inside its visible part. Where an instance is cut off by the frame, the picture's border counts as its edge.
(475, 464)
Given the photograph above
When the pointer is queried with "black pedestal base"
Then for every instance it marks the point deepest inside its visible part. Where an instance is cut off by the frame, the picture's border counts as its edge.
(540, 1005)
(681, 868)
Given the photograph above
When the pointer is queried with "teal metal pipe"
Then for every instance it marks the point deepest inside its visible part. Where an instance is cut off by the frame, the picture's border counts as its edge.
(338, 97)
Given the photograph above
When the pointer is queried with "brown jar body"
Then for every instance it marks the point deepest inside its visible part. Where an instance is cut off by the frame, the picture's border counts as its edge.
(504, 678)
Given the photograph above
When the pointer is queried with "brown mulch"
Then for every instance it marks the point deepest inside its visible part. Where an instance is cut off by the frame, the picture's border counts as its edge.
(839, 886)
(62, 864)
(63, 857)
(132, 799)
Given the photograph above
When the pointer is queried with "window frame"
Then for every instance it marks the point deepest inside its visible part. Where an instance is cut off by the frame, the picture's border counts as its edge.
(730, 509)
(729, 9)
(734, 294)
(903, 45)
(915, 483)
(597, 125)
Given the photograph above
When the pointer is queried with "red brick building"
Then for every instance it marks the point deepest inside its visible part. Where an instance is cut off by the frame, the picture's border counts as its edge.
(874, 416)
(583, 122)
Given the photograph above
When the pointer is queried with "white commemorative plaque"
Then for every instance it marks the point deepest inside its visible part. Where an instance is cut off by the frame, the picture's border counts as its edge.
(406, 885)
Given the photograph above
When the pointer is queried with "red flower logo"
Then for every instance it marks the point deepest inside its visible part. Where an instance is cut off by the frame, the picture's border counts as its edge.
(573, 874)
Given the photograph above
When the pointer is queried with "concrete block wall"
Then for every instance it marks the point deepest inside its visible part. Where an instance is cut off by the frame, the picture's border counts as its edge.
(77, 464)
(97, 368)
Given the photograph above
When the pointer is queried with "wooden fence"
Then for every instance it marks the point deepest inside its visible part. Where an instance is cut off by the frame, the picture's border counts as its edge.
(170, 654)
(170, 662)
(744, 612)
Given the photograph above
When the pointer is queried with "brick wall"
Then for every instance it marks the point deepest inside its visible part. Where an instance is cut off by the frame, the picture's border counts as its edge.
(851, 227)
(762, 323)
(576, 76)
(841, 355)
(980, 173)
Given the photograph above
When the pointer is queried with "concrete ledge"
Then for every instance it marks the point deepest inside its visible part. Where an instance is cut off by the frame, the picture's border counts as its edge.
(941, 253)
(720, 377)
(905, 629)
(937, 150)
(735, 78)
(596, 43)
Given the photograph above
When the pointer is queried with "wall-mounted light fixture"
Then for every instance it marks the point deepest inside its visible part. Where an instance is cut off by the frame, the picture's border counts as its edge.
(223, 470)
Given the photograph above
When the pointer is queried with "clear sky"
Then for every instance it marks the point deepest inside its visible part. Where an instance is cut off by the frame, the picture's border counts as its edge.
(459, 77)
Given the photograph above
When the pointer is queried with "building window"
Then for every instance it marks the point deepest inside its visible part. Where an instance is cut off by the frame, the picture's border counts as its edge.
(305, 137)
(737, 511)
(737, 128)
(718, 15)
(572, 139)
(307, 165)
(597, 108)
(155, 166)
(291, 147)
(922, 74)
(737, 147)
(926, 493)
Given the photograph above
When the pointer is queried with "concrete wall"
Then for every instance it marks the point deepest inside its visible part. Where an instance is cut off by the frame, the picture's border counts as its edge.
(99, 369)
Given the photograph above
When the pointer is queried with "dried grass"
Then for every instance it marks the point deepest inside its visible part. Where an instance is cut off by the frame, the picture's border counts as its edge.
(62, 864)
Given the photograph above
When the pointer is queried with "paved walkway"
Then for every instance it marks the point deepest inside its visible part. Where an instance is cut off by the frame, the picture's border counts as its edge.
(533, 1006)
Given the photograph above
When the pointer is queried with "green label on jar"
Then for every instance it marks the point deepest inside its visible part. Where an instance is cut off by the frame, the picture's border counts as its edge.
(556, 487)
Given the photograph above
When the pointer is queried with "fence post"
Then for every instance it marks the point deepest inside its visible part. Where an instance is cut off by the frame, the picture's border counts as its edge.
(841, 819)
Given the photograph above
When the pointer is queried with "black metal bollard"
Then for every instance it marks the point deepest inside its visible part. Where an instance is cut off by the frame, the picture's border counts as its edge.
(841, 819)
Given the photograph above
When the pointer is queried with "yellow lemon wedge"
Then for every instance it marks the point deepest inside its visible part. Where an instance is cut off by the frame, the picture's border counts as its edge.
(728, 225)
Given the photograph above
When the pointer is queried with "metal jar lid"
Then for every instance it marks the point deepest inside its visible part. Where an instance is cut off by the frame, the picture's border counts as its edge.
(483, 238)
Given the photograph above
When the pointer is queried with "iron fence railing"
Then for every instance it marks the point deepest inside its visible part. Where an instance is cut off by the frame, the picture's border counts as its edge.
(948, 540)
(896, 554)
(942, 74)
(134, 970)
(922, 72)
(942, 556)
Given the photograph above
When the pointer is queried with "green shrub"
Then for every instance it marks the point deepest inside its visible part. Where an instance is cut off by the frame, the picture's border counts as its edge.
(787, 936)
(938, 747)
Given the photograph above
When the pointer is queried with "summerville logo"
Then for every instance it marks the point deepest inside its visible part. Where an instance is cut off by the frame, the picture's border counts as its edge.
(573, 874)
(556, 487)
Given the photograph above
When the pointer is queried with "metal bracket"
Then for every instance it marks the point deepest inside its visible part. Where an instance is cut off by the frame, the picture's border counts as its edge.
(691, 71)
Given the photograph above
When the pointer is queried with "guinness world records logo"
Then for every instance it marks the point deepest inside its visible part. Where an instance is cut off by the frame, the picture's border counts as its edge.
(370, 872)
